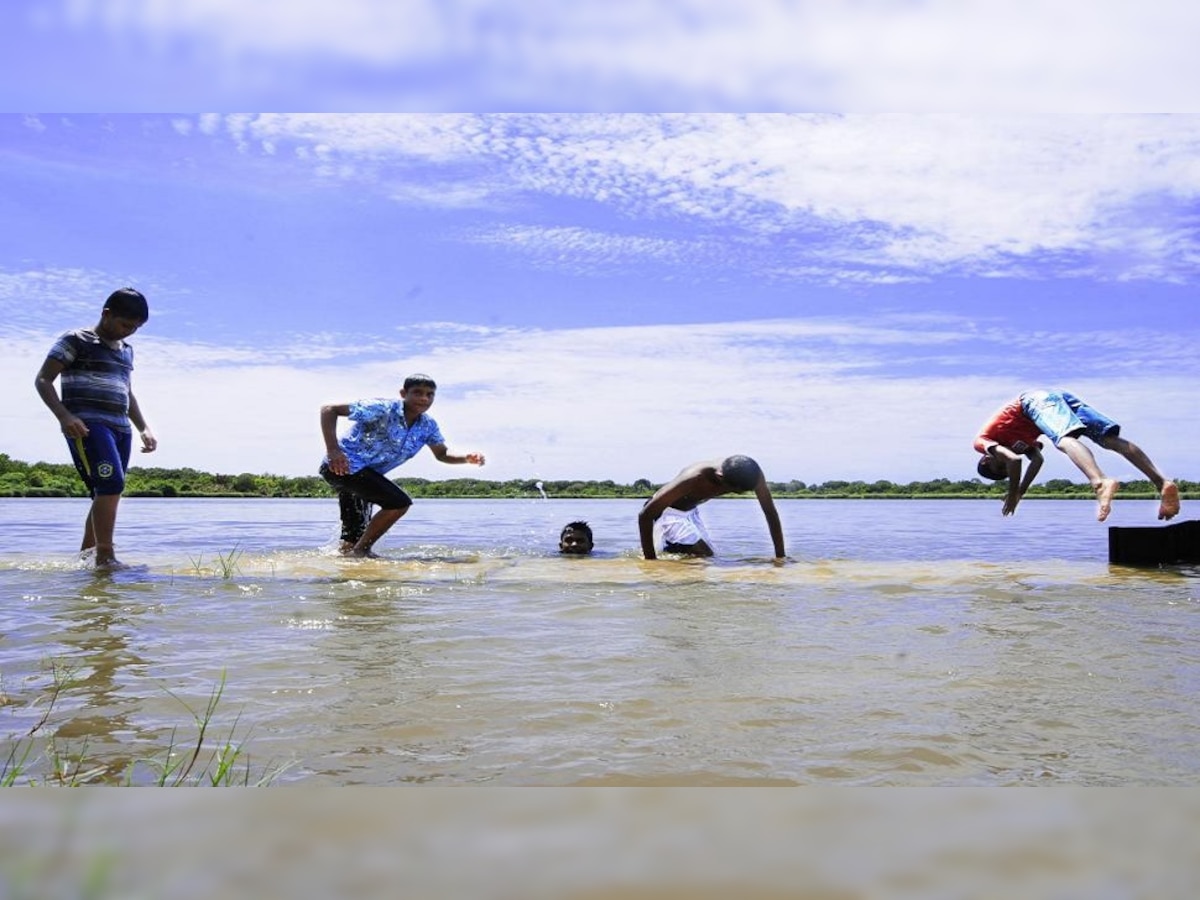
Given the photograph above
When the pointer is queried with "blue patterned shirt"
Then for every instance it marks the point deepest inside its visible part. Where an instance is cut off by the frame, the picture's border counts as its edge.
(380, 439)
(95, 377)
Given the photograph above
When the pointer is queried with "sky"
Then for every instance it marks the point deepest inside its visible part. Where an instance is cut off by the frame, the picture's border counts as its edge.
(640, 55)
(928, 211)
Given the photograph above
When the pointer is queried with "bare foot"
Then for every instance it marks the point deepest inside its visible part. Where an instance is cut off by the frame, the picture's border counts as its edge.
(1169, 507)
(1105, 491)
(368, 553)
(106, 560)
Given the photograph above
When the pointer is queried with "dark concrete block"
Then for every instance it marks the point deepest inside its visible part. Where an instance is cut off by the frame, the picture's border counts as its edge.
(1155, 546)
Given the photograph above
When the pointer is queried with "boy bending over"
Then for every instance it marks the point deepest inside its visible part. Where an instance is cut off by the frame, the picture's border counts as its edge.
(676, 502)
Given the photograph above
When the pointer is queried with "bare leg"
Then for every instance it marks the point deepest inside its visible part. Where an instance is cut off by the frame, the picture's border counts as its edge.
(356, 515)
(89, 534)
(1105, 487)
(1168, 508)
(377, 528)
(98, 531)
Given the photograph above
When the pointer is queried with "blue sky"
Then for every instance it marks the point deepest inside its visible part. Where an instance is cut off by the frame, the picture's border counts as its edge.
(614, 295)
(936, 204)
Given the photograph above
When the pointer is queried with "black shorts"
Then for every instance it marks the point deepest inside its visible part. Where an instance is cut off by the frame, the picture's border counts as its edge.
(357, 493)
(369, 485)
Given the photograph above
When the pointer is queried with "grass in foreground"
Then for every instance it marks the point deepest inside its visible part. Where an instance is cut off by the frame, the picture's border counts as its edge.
(37, 759)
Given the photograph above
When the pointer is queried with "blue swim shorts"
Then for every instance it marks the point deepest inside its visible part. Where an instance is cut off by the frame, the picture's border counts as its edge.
(102, 458)
(1059, 414)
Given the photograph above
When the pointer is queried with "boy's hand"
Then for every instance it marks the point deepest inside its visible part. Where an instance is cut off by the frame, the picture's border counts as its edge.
(475, 459)
(74, 427)
(338, 464)
(149, 441)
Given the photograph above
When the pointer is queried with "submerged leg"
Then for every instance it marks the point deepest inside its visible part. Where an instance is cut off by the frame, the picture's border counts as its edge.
(98, 530)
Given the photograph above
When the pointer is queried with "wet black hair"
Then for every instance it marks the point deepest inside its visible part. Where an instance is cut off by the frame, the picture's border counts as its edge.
(128, 304)
(741, 473)
(983, 467)
(419, 379)
(577, 526)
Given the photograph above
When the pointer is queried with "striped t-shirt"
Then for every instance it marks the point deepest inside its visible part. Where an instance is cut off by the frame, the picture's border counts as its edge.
(95, 377)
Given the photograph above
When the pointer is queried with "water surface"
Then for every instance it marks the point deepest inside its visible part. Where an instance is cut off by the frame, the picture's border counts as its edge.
(904, 643)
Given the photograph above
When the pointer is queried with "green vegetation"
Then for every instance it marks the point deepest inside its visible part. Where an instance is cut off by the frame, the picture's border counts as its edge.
(21, 479)
(226, 565)
(38, 758)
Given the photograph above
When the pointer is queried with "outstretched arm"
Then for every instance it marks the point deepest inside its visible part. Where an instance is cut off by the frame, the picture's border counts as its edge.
(1035, 466)
(1017, 484)
(338, 464)
(767, 502)
(444, 455)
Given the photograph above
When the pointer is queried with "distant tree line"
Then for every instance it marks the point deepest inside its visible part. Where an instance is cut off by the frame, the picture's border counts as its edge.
(22, 479)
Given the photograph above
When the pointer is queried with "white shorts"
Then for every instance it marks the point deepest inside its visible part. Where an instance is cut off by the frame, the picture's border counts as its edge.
(679, 527)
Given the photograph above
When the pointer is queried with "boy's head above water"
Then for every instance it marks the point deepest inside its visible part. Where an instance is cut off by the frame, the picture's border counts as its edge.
(576, 538)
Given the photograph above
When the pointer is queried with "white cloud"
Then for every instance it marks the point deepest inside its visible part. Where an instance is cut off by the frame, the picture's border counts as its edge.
(861, 197)
(587, 250)
(1045, 55)
(54, 298)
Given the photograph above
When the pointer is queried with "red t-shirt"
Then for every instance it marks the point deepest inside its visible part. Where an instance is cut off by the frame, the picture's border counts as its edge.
(1010, 428)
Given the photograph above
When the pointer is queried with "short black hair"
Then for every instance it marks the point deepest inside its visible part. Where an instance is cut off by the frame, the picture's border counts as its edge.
(417, 378)
(984, 468)
(577, 526)
(741, 473)
(128, 304)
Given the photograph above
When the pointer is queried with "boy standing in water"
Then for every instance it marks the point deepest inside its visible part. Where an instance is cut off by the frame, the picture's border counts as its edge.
(385, 434)
(96, 408)
(1013, 432)
(683, 530)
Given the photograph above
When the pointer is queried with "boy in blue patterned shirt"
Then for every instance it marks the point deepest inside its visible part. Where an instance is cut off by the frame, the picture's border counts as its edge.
(385, 434)
(96, 408)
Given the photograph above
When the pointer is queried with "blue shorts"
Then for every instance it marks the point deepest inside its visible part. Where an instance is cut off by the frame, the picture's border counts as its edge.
(1059, 415)
(102, 458)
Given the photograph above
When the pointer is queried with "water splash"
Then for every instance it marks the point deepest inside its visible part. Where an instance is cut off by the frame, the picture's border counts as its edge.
(541, 490)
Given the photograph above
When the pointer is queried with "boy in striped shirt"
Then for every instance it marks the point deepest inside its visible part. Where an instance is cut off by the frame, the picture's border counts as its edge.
(96, 409)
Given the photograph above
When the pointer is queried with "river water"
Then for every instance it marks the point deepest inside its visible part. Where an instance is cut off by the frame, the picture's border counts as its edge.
(904, 643)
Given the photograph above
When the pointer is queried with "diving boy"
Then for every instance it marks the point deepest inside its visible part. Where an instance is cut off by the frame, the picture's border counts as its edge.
(384, 434)
(1012, 433)
(96, 409)
(676, 503)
